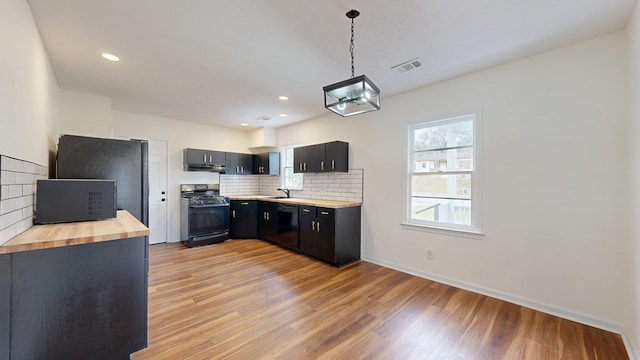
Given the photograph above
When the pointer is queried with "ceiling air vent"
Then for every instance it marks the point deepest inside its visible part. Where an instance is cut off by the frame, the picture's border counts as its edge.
(264, 118)
(407, 65)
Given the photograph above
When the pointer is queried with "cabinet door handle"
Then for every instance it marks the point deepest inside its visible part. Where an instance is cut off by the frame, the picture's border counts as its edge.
(204, 157)
(333, 164)
(242, 169)
(210, 158)
(268, 216)
(313, 225)
(300, 166)
(318, 226)
(306, 210)
(233, 214)
(322, 165)
(324, 213)
(244, 203)
(305, 166)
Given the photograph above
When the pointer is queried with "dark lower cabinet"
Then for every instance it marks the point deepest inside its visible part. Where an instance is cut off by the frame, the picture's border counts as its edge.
(267, 220)
(330, 235)
(5, 308)
(78, 302)
(244, 219)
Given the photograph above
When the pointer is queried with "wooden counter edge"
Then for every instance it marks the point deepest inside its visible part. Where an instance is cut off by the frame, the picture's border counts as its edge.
(124, 226)
(333, 204)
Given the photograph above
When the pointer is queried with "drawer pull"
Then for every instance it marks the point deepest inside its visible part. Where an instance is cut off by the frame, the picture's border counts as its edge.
(324, 213)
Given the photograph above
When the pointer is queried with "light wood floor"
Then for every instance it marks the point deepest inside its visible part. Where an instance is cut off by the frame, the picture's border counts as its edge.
(247, 299)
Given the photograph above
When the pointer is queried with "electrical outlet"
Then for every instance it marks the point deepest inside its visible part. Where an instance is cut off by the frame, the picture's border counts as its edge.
(429, 254)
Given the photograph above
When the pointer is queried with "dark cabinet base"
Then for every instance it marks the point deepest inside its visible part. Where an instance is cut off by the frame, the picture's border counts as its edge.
(331, 235)
(79, 302)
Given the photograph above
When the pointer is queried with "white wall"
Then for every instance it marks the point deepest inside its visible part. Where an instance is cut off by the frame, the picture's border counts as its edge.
(77, 110)
(553, 180)
(28, 88)
(632, 324)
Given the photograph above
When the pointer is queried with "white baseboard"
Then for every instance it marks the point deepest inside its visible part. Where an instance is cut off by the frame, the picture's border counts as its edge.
(633, 355)
(545, 308)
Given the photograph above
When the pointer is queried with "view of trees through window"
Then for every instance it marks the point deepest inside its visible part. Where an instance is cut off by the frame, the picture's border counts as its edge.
(442, 167)
(290, 180)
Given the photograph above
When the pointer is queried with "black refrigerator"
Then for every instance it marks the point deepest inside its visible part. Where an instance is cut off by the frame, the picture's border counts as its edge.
(125, 161)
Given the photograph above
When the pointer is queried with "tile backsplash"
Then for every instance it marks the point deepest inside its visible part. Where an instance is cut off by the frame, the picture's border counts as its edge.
(17, 195)
(323, 186)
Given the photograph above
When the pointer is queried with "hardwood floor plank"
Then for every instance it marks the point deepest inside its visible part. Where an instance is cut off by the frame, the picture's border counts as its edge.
(248, 299)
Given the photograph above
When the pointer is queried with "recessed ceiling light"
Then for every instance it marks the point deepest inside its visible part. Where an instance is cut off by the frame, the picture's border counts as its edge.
(110, 57)
(244, 124)
(282, 97)
(283, 115)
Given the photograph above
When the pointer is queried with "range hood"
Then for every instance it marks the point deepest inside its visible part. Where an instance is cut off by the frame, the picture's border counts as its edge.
(205, 167)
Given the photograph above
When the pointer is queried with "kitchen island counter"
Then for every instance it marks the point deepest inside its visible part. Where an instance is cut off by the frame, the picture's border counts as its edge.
(76, 290)
(47, 236)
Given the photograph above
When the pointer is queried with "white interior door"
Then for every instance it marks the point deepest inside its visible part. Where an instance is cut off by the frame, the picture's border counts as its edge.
(158, 198)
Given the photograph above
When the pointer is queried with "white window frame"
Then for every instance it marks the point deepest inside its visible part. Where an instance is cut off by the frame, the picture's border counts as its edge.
(283, 178)
(475, 227)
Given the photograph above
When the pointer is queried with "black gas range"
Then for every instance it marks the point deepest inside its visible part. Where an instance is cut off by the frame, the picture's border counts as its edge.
(204, 215)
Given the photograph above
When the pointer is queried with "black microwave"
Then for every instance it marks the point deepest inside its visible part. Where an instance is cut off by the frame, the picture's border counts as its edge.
(69, 200)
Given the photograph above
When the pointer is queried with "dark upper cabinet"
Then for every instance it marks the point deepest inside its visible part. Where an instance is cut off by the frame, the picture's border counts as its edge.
(298, 159)
(267, 163)
(203, 160)
(244, 219)
(327, 157)
(336, 156)
(239, 164)
(268, 220)
(330, 235)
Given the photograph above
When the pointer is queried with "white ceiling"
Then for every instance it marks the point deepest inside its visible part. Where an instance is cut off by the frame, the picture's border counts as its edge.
(226, 62)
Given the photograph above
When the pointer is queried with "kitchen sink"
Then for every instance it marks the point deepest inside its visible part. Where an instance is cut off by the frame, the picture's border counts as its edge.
(278, 197)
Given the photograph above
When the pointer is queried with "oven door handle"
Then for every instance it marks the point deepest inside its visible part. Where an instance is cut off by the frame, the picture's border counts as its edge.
(207, 206)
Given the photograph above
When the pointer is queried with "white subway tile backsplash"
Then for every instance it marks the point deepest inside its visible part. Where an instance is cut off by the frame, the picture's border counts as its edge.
(8, 205)
(7, 177)
(10, 164)
(15, 191)
(11, 218)
(18, 186)
(8, 233)
(328, 186)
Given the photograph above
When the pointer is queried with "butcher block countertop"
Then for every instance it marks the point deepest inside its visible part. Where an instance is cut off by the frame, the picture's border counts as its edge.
(332, 204)
(124, 226)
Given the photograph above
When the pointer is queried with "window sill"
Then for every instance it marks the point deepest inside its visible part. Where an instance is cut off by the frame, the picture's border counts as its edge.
(444, 231)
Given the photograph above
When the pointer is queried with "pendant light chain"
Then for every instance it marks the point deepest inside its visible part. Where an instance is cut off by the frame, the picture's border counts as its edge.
(351, 50)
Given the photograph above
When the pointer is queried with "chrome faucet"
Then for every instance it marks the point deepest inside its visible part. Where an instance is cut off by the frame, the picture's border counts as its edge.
(286, 191)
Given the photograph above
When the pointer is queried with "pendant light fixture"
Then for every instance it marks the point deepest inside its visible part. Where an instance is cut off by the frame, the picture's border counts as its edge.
(352, 96)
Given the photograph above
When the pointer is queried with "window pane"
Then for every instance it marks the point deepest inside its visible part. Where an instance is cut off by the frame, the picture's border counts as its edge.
(444, 160)
(441, 185)
(292, 180)
(444, 211)
(288, 157)
(435, 136)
